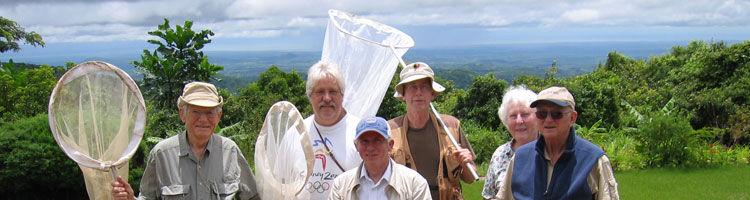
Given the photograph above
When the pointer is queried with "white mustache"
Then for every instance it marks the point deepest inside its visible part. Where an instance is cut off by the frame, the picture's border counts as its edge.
(323, 103)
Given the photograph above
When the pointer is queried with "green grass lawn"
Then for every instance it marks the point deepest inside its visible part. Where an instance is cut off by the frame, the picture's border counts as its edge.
(729, 182)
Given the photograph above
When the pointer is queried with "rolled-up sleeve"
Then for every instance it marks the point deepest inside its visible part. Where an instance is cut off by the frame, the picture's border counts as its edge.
(602, 181)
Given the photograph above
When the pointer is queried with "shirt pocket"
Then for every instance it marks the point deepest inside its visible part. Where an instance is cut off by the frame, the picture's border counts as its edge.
(175, 191)
(228, 190)
(231, 183)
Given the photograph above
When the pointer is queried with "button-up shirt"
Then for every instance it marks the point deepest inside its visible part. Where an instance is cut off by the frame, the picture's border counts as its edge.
(370, 189)
(174, 172)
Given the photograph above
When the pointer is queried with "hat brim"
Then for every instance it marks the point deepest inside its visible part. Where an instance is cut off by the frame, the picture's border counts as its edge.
(555, 101)
(385, 135)
(400, 89)
(202, 102)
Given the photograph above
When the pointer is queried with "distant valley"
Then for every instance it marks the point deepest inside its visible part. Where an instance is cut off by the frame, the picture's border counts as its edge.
(506, 61)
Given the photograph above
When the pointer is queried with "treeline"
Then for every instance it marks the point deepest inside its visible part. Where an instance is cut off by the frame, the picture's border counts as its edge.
(688, 108)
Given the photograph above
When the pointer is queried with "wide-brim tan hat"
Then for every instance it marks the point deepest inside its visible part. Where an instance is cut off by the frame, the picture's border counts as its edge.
(557, 95)
(200, 94)
(413, 72)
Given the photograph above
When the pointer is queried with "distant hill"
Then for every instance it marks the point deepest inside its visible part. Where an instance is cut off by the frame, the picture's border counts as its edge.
(459, 64)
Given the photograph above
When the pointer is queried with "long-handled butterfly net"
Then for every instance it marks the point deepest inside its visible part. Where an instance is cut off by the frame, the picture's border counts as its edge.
(283, 153)
(97, 116)
(369, 53)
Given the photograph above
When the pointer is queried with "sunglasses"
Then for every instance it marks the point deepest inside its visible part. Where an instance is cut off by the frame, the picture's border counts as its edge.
(555, 114)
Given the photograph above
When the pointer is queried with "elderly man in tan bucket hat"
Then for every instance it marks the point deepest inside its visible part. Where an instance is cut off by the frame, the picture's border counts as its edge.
(195, 164)
(420, 141)
(558, 165)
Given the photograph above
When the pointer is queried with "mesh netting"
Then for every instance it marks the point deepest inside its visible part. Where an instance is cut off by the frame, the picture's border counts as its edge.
(368, 53)
(283, 153)
(97, 116)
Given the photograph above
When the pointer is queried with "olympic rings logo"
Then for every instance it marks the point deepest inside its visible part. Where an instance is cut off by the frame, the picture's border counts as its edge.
(318, 186)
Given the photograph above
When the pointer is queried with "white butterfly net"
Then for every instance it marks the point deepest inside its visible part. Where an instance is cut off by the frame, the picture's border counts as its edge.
(97, 116)
(368, 54)
(283, 153)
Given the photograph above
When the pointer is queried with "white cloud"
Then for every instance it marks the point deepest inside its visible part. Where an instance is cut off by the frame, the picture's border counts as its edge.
(580, 15)
(303, 21)
(68, 20)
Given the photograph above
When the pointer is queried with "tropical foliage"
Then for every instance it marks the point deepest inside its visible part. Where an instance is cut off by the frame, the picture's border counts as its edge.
(688, 108)
(11, 33)
(176, 62)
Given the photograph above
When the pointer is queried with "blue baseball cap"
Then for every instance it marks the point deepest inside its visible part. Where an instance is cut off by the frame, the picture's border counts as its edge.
(377, 124)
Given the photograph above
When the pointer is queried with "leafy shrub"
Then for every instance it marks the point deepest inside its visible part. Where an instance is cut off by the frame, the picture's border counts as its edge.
(483, 141)
(667, 140)
(245, 137)
(621, 150)
(716, 154)
(739, 129)
(594, 134)
(32, 166)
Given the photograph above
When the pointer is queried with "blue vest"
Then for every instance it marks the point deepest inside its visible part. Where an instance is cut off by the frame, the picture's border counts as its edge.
(568, 181)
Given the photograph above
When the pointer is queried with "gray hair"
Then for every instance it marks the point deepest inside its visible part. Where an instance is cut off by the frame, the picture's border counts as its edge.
(515, 94)
(324, 69)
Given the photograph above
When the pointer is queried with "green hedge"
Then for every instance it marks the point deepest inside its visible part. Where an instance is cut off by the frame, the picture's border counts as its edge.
(32, 166)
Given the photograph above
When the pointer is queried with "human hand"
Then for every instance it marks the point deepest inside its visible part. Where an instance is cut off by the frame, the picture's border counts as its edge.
(463, 156)
(121, 190)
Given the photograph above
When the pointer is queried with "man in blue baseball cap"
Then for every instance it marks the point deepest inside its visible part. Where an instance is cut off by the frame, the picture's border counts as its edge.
(378, 177)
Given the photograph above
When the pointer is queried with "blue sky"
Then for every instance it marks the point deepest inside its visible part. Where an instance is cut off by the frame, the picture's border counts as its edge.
(100, 26)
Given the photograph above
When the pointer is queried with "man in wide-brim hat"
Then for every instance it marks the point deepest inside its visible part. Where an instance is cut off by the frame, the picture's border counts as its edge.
(421, 143)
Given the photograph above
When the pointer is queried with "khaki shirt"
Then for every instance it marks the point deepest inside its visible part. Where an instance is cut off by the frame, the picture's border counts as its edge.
(601, 179)
(174, 172)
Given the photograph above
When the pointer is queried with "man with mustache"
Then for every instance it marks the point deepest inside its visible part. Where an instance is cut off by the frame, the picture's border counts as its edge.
(421, 143)
(331, 129)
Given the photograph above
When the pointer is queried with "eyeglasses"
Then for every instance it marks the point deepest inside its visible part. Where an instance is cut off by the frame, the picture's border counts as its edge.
(555, 114)
(198, 114)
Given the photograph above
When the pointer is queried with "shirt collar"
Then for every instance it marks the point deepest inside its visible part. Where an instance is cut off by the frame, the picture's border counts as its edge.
(570, 143)
(386, 175)
(185, 146)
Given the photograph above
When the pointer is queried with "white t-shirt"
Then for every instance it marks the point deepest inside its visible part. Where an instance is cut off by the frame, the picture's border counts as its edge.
(340, 140)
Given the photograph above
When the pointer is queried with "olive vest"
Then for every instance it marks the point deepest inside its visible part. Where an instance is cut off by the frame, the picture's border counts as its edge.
(449, 184)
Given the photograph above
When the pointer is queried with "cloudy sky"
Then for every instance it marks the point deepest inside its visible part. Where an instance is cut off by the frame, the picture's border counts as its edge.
(300, 24)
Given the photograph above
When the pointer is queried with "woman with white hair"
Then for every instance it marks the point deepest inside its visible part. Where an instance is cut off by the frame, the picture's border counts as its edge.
(518, 117)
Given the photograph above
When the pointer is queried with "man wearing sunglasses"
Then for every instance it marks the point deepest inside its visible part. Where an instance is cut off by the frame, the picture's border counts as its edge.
(558, 165)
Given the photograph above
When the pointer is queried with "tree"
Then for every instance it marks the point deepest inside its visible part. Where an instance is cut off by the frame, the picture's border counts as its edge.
(11, 33)
(176, 62)
(482, 100)
(24, 92)
(596, 97)
(245, 112)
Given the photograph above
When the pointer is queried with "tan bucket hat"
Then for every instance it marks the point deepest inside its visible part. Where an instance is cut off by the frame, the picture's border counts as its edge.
(200, 94)
(557, 95)
(413, 72)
